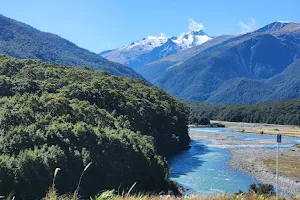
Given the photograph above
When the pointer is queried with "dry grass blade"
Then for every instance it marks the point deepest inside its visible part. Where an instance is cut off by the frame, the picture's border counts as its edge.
(54, 176)
(86, 167)
(10, 196)
(55, 172)
(51, 194)
(128, 193)
(75, 196)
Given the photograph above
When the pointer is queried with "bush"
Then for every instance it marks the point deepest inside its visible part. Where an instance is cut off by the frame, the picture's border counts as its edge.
(53, 116)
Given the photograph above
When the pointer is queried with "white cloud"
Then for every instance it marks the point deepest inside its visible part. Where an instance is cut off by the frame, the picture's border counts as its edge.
(162, 36)
(195, 26)
(247, 27)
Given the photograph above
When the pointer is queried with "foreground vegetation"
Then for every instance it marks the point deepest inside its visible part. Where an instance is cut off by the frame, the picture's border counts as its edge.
(55, 116)
(255, 192)
(275, 112)
(108, 196)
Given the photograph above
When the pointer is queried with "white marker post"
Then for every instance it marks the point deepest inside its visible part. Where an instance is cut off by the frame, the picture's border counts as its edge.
(277, 163)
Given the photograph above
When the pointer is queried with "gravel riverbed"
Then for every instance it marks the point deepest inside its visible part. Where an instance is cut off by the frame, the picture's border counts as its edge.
(248, 156)
(251, 161)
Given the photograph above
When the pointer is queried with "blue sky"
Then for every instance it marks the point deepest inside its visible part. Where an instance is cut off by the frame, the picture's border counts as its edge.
(99, 25)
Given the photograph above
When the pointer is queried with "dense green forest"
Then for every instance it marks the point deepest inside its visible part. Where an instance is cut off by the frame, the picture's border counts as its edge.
(274, 112)
(57, 116)
(20, 40)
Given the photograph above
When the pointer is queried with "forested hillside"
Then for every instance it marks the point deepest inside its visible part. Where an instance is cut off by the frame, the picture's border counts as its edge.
(274, 112)
(57, 116)
(20, 40)
(259, 66)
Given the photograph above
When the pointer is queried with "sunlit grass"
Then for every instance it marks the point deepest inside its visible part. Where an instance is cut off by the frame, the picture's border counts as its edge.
(113, 195)
(109, 195)
(288, 165)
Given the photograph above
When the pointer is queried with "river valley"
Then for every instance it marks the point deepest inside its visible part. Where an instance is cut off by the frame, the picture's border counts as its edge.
(222, 160)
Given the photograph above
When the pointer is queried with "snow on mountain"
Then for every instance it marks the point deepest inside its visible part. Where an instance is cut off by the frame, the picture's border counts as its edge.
(191, 39)
(131, 52)
(153, 48)
(146, 44)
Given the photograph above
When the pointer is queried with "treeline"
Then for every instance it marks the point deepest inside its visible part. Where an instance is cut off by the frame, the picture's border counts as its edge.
(56, 116)
(274, 112)
(200, 112)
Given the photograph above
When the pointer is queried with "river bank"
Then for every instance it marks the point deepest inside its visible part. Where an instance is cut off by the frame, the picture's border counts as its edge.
(258, 128)
(255, 156)
(253, 161)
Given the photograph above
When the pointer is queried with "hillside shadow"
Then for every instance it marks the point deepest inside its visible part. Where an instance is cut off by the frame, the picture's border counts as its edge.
(189, 160)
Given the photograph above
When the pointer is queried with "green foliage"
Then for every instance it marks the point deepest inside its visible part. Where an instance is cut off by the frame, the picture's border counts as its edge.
(107, 195)
(244, 69)
(200, 113)
(53, 116)
(274, 112)
(261, 189)
(22, 41)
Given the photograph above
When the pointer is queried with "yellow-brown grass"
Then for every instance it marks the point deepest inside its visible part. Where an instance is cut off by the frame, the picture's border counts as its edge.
(111, 194)
(289, 132)
(256, 128)
(217, 197)
(288, 165)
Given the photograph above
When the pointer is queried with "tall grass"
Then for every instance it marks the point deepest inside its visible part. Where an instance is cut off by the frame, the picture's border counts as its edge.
(9, 197)
(113, 195)
(109, 196)
(52, 194)
(75, 195)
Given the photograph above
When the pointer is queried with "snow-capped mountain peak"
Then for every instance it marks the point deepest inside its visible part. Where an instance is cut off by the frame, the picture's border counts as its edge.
(153, 48)
(191, 39)
(146, 44)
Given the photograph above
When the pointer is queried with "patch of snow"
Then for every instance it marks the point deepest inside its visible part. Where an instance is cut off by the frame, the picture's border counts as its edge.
(186, 41)
(140, 47)
(284, 22)
(146, 44)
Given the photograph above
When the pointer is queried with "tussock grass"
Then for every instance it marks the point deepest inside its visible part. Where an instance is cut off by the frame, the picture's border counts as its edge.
(52, 194)
(110, 195)
(113, 195)
(288, 165)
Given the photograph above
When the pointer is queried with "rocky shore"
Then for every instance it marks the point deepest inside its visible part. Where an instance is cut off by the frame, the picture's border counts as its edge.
(251, 161)
(250, 156)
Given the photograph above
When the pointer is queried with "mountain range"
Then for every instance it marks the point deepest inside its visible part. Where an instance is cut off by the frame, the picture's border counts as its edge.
(20, 40)
(262, 65)
(139, 53)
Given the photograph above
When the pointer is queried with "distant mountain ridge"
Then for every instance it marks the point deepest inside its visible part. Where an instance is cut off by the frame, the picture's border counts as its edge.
(150, 49)
(20, 40)
(258, 66)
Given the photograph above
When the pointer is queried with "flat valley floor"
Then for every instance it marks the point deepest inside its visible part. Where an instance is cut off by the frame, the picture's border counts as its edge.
(258, 160)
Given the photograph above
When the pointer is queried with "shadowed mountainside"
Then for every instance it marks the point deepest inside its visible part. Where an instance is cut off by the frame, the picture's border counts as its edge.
(20, 40)
(253, 67)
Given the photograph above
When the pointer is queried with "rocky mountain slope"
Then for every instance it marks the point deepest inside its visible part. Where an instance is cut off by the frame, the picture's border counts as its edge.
(258, 66)
(150, 49)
